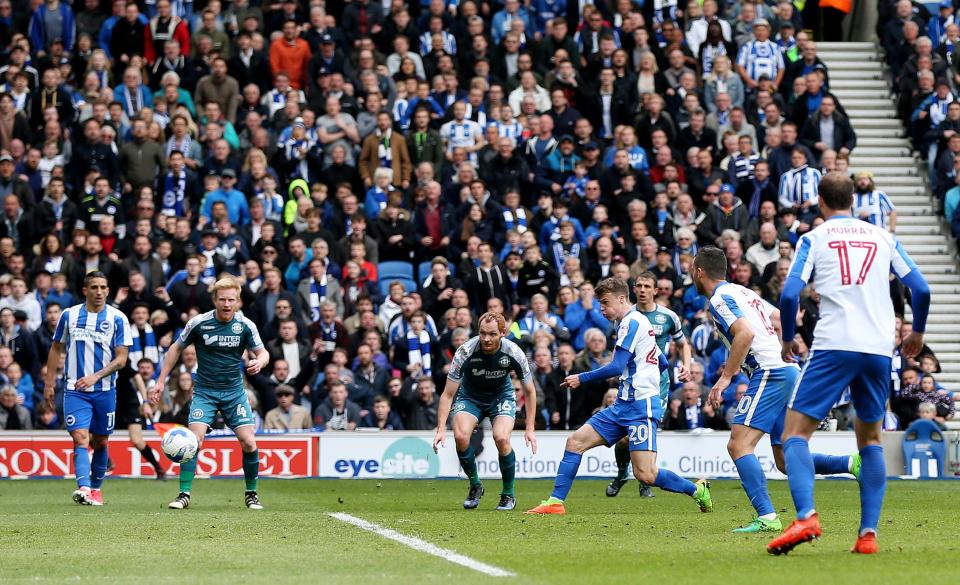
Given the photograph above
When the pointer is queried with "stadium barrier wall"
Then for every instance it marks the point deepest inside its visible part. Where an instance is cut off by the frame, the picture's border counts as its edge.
(409, 454)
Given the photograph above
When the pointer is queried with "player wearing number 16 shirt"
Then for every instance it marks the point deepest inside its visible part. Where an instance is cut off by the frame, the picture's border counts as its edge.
(479, 386)
(637, 361)
(849, 261)
(221, 337)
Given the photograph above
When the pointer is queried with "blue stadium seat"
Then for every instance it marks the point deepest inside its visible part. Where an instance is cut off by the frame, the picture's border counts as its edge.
(924, 450)
(408, 285)
(394, 270)
(423, 271)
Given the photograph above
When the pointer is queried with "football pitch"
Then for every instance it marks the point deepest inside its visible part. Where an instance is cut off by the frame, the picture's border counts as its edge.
(46, 538)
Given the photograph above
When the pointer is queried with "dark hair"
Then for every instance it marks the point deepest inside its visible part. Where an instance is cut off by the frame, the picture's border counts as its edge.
(836, 191)
(712, 261)
(92, 275)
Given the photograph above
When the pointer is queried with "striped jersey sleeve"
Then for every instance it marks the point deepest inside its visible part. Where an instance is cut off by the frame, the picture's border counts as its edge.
(460, 358)
(520, 363)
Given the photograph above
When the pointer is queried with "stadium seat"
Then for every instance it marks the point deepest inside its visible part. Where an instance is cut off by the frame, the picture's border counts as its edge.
(924, 450)
(408, 285)
(395, 270)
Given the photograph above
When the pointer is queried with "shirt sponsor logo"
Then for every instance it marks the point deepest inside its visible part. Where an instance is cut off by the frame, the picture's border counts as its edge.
(88, 335)
(222, 340)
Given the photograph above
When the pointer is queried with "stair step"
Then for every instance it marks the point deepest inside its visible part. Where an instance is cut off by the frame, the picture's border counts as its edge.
(910, 240)
(897, 191)
(940, 277)
(874, 103)
(904, 231)
(878, 75)
(856, 114)
(914, 181)
(903, 171)
(946, 293)
(859, 65)
(857, 93)
(874, 124)
(904, 218)
(830, 57)
(892, 131)
(862, 46)
(883, 141)
(943, 348)
(931, 337)
(920, 249)
(882, 157)
(878, 85)
(924, 260)
(911, 200)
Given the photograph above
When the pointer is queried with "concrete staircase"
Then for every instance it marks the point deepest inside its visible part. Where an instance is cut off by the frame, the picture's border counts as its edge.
(860, 80)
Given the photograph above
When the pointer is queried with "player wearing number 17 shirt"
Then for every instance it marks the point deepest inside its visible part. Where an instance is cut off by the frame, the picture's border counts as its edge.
(849, 261)
(97, 340)
(637, 361)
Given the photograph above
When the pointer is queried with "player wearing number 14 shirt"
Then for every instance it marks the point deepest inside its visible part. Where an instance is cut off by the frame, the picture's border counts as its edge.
(849, 261)
(221, 337)
(637, 361)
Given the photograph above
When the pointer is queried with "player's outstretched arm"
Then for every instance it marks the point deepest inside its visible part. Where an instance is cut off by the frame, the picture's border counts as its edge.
(742, 339)
(169, 361)
(443, 412)
(621, 357)
(50, 380)
(116, 364)
(529, 435)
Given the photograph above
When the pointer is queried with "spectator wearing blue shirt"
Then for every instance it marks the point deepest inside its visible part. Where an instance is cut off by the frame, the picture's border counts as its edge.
(236, 203)
(45, 29)
(584, 314)
(550, 230)
(503, 20)
(628, 141)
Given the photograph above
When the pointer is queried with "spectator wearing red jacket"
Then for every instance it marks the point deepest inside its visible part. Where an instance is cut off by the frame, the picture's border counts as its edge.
(290, 54)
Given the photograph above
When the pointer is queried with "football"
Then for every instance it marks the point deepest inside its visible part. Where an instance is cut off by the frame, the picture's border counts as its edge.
(180, 445)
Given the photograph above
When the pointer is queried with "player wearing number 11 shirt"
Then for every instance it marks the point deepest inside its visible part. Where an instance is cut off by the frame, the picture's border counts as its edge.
(849, 261)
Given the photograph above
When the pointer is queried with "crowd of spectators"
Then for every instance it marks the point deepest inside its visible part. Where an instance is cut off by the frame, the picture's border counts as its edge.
(379, 174)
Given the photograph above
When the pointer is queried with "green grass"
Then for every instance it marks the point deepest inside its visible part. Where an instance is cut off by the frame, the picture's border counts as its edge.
(44, 537)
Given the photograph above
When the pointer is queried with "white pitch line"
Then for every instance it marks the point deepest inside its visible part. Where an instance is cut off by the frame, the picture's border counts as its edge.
(423, 546)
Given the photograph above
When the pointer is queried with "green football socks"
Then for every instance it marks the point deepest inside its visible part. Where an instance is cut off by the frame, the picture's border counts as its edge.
(468, 461)
(187, 470)
(251, 468)
(508, 470)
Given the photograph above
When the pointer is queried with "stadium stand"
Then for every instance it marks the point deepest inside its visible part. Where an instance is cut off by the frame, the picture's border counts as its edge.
(326, 153)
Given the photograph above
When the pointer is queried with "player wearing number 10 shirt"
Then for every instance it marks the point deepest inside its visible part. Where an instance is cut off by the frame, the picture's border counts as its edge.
(849, 261)
(637, 361)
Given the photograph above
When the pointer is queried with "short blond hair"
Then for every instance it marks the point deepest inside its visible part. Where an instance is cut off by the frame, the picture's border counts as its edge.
(225, 282)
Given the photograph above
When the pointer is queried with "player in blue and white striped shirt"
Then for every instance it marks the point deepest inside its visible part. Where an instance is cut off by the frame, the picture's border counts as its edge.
(637, 361)
(871, 205)
(97, 339)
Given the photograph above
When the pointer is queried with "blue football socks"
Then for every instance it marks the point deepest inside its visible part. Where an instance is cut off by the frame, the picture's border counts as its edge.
(566, 474)
(98, 468)
(671, 482)
(754, 484)
(873, 484)
(831, 464)
(81, 466)
(800, 475)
